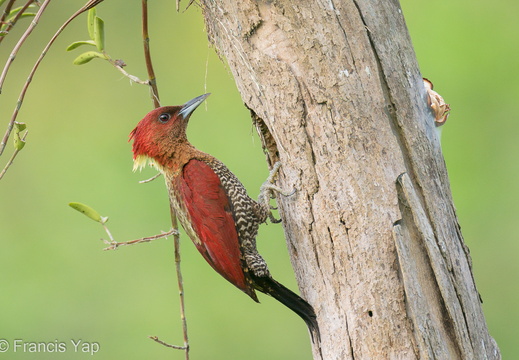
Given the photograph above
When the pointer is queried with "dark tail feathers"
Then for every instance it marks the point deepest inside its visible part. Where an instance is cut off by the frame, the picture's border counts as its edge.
(291, 300)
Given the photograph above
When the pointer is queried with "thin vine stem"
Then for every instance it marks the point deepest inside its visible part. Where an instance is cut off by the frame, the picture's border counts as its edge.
(114, 245)
(90, 4)
(11, 23)
(20, 42)
(13, 156)
(174, 222)
(147, 55)
(7, 10)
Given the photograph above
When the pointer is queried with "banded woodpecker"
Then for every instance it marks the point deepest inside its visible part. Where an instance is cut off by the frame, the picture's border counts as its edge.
(212, 205)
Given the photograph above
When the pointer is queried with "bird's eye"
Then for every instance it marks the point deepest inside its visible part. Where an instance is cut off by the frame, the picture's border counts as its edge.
(163, 118)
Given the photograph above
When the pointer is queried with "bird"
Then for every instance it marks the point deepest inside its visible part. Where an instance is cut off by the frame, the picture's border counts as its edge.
(213, 206)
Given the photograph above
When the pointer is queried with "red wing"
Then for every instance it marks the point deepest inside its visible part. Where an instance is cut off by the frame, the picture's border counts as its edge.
(211, 216)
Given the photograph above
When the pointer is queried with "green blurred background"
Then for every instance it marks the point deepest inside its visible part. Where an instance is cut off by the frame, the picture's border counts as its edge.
(56, 283)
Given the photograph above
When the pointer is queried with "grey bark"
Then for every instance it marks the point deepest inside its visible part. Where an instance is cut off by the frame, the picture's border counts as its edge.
(337, 96)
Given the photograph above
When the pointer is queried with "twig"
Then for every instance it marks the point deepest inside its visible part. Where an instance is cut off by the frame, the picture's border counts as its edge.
(20, 42)
(7, 10)
(174, 223)
(156, 339)
(10, 162)
(147, 55)
(188, 5)
(90, 4)
(13, 22)
(114, 244)
(112, 241)
(176, 238)
(150, 179)
(119, 66)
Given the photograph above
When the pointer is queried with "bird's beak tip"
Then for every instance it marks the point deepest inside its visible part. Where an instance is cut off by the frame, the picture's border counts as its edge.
(191, 105)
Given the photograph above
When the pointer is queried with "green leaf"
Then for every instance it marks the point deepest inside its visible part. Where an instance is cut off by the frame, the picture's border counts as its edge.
(20, 126)
(13, 12)
(91, 21)
(27, 15)
(86, 57)
(77, 44)
(88, 211)
(19, 143)
(99, 33)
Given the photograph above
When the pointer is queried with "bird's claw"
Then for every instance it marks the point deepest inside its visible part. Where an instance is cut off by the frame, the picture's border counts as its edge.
(273, 219)
(267, 191)
(271, 188)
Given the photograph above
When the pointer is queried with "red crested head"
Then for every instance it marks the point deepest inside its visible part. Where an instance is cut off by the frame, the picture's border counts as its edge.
(161, 132)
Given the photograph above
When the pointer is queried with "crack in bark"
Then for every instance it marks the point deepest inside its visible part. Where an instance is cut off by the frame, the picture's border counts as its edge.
(419, 253)
(411, 169)
(345, 35)
(268, 143)
(310, 232)
(401, 138)
(391, 108)
(332, 251)
(455, 285)
(352, 352)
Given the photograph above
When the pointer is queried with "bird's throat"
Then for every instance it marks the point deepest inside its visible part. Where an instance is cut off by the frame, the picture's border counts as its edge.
(140, 161)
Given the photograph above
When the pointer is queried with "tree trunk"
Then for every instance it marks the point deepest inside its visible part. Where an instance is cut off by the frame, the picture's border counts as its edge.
(337, 96)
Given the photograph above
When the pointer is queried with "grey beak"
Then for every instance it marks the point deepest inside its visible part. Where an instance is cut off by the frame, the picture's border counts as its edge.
(191, 105)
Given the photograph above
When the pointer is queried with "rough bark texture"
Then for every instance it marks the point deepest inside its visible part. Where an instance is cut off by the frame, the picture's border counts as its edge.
(336, 93)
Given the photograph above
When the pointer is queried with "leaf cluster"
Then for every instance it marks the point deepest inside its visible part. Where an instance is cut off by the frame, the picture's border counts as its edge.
(96, 33)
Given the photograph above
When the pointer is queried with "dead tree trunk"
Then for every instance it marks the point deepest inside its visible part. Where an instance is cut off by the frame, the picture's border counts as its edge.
(336, 93)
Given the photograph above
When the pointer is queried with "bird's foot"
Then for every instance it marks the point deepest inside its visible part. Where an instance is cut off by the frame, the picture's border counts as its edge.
(268, 185)
(267, 192)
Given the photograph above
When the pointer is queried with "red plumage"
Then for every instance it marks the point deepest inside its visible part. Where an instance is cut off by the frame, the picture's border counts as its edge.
(209, 211)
